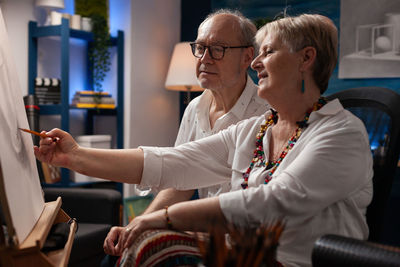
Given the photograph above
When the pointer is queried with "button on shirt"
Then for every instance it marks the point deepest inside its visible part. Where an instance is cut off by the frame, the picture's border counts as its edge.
(323, 185)
(196, 122)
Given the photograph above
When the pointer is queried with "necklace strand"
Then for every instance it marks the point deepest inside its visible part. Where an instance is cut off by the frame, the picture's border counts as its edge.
(258, 155)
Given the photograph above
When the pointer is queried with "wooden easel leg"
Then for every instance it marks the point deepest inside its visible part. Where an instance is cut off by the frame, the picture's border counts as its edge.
(5, 258)
(2, 238)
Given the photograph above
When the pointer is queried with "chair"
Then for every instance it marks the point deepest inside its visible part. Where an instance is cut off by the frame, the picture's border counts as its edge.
(379, 109)
(96, 211)
(340, 251)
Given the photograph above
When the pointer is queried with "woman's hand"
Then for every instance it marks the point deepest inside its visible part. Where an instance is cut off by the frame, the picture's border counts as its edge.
(120, 238)
(56, 149)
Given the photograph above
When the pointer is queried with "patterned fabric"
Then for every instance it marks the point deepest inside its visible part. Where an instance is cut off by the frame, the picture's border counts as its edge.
(162, 248)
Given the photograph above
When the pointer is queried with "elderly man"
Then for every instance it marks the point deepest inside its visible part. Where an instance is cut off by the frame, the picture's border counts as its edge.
(224, 49)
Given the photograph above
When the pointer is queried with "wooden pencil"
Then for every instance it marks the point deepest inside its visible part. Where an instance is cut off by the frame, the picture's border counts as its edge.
(36, 133)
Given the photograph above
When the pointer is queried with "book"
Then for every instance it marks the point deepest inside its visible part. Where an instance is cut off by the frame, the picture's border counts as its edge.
(92, 93)
(89, 105)
(92, 100)
(78, 94)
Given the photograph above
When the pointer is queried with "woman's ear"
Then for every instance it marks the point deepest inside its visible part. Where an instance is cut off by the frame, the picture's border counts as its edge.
(308, 54)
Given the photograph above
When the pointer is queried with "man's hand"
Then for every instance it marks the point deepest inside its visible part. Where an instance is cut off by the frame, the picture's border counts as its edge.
(56, 149)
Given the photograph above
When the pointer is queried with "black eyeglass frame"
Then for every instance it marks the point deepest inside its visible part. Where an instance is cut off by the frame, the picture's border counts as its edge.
(193, 46)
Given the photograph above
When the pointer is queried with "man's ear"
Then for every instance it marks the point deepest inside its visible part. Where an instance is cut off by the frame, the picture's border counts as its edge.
(248, 56)
(308, 56)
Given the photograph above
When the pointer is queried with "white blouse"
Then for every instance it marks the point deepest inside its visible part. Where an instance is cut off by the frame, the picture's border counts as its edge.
(322, 186)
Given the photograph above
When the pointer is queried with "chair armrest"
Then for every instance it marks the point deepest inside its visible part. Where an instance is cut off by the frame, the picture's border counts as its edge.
(334, 250)
(88, 205)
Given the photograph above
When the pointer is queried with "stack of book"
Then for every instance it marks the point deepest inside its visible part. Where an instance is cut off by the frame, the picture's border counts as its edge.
(92, 99)
(48, 91)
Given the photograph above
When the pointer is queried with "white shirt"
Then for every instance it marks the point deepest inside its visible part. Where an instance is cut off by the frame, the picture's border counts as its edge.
(322, 186)
(196, 122)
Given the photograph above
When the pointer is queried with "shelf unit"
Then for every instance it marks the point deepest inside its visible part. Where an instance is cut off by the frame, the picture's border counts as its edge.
(65, 33)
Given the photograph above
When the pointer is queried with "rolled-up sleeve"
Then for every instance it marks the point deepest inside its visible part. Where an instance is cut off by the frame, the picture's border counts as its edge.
(152, 166)
(192, 165)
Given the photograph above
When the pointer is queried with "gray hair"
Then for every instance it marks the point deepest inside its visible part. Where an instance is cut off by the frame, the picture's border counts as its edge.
(248, 29)
(308, 30)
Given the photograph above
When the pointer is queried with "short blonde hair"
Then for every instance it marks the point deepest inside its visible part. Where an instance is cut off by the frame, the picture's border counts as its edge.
(308, 30)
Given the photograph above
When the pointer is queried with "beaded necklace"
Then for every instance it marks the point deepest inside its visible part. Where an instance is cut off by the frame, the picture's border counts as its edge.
(258, 156)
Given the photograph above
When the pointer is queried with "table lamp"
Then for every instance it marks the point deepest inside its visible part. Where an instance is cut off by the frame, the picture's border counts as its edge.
(49, 5)
(182, 71)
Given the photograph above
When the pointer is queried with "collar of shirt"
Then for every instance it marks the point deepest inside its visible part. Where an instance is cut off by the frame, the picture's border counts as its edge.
(248, 93)
(331, 108)
(238, 110)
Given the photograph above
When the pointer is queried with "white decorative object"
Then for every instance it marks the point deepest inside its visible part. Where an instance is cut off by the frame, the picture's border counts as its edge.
(383, 44)
(86, 24)
(55, 18)
(394, 19)
(49, 5)
(369, 39)
(76, 22)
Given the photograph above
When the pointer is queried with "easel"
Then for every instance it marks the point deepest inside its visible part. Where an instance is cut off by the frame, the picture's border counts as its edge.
(29, 253)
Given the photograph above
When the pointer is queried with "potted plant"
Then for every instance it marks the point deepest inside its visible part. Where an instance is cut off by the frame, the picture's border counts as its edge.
(99, 54)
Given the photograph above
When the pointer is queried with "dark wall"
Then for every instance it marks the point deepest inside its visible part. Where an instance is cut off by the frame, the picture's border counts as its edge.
(192, 14)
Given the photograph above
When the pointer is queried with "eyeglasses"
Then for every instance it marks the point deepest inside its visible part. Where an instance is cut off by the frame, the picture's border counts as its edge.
(217, 52)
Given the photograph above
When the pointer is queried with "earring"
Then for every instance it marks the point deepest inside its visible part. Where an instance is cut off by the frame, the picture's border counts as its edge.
(302, 86)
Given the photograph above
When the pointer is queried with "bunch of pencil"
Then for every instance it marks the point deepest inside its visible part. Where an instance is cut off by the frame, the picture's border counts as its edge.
(247, 247)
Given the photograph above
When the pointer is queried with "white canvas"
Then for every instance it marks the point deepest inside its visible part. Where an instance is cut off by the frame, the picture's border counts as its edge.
(18, 163)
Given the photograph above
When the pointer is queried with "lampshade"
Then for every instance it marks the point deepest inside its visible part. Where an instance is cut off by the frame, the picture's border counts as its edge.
(50, 3)
(182, 70)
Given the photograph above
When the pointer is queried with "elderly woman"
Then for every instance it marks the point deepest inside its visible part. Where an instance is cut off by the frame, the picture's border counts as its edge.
(307, 160)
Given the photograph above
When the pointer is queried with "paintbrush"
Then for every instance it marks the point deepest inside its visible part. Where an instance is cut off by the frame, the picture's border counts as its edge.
(248, 246)
(36, 133)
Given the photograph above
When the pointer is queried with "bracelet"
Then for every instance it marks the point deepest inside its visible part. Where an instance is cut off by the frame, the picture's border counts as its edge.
(168, 220)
